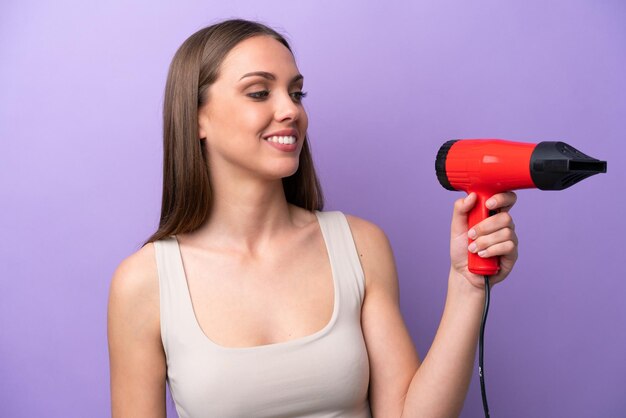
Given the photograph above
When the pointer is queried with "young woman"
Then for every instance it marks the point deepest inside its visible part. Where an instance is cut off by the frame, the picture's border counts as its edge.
(249, 300)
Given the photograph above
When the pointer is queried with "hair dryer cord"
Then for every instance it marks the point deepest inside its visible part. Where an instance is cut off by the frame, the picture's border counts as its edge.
(481, 368)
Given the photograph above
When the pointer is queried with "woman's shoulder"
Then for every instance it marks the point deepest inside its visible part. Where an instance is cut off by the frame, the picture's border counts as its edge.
(137, 359)
(365, 230)
(135, 282)
(374, 249)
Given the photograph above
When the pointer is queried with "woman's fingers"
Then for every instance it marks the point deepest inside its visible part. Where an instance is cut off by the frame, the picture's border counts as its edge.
(460, 214)
(492, 243)
(502, 201)
(498, 249)
(492, 224)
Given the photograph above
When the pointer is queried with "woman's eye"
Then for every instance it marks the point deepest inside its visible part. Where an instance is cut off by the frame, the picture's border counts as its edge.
(298, 96)
(259, 94)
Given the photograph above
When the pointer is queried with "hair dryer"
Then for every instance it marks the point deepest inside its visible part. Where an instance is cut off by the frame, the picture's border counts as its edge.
(490, 166)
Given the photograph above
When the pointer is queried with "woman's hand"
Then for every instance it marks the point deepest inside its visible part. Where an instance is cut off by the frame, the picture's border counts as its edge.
(494, 236)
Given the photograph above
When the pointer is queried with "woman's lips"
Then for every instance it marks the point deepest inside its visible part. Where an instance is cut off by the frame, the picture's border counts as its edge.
(284, 140)
(282, 143)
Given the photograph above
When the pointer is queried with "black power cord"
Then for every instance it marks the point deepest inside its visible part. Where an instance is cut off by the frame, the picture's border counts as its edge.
(481, 368)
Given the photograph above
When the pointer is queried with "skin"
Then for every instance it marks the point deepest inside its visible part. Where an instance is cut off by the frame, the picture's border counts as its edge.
(251, 238)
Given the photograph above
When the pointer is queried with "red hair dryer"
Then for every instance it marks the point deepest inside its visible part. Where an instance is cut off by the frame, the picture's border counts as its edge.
(490, 166)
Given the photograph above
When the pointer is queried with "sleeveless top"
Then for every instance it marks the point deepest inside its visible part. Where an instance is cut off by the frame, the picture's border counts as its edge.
(325, 374)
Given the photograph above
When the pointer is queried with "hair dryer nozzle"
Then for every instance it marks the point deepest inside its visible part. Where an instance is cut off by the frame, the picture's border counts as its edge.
(557, 166)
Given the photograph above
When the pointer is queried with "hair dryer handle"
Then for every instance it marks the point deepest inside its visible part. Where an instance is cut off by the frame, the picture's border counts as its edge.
(476, 264)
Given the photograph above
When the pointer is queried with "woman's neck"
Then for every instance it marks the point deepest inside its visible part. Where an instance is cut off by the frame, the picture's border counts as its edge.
(244, 216)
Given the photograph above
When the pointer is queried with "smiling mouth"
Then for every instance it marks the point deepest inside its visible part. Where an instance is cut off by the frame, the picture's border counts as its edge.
(289, 140)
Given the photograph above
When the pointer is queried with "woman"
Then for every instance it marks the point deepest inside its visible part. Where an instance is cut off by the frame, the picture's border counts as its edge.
(251, 302)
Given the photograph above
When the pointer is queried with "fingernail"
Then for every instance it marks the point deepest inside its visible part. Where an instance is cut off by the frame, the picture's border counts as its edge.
(472, 248)
(490, 203)
(482, 253)
(471, 233)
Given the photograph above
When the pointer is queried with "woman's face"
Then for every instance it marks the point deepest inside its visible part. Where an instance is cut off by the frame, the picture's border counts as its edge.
(253, 120)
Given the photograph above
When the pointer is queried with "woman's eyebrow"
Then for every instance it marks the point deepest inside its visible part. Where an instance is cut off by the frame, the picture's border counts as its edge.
(270, 76)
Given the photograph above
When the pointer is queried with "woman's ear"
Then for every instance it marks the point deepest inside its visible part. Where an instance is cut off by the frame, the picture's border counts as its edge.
(201, 127)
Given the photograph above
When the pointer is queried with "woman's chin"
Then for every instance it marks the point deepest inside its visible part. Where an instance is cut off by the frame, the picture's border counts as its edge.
(283, 170)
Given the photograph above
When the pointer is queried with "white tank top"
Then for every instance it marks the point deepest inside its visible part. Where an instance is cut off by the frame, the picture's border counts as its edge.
(325, 374)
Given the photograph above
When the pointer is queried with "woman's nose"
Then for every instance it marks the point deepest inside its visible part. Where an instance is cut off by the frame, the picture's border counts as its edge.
(287, 108)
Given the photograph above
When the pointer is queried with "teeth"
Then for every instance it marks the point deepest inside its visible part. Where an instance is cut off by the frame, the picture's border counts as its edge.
(283, 139)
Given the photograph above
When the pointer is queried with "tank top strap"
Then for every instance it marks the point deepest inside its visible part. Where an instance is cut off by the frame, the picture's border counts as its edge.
(343, 254)
(176, 310)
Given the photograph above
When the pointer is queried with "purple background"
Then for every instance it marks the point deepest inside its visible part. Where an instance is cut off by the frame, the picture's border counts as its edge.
(80, 123)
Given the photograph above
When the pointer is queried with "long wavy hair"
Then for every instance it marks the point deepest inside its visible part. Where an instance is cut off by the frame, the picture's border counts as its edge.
(187, 195)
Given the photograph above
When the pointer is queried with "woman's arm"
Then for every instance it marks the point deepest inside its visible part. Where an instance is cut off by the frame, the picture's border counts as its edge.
(137, 361)
(399, 385)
